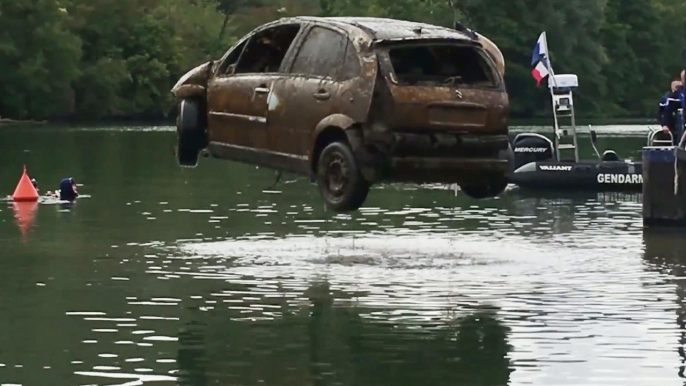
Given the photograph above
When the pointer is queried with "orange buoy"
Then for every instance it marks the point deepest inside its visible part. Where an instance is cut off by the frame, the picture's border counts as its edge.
(25, 191)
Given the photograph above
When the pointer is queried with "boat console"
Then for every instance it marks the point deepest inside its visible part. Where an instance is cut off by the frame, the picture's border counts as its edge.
(541, 163)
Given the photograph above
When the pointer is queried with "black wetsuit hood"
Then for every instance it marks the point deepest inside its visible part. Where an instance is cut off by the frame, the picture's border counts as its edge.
(67, 192)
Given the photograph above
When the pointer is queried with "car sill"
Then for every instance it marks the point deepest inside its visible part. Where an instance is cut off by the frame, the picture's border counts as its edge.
(249, 118)
(266, 158)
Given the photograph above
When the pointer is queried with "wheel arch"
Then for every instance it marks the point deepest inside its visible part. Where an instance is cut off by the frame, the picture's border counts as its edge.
(337, 127)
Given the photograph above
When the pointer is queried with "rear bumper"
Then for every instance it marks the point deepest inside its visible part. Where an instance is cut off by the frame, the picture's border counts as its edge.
(449, 145)
(447, 170)
(438, 157)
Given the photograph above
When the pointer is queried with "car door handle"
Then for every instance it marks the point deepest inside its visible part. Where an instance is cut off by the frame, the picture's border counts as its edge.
(322, 95)
(263, 89)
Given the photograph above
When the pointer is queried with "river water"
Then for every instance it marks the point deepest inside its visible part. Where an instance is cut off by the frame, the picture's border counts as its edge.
(162, 275)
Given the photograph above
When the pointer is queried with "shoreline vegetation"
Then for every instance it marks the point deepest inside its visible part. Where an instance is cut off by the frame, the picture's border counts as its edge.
(7, 121)
(582, 123)
(79, 61)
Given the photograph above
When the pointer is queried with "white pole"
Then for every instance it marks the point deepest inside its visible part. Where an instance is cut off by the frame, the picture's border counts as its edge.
(551, 82)
(551, 77)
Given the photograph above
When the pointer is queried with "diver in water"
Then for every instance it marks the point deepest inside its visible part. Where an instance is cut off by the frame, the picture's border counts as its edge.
(35, 185)
(67, 190)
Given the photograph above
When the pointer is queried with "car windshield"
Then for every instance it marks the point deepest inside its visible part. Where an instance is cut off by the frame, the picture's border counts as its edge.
(442, 64)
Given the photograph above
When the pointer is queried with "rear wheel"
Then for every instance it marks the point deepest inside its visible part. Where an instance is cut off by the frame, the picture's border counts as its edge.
(509, 156)
(492, 188)
(190, 128)
(339, 179)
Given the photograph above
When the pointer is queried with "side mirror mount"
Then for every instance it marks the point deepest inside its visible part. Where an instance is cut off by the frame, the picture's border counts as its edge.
(231, 69)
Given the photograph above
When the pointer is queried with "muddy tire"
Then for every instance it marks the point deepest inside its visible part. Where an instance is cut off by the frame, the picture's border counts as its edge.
(495, 186)
(190, 129)
(339, 179)
(490, 189)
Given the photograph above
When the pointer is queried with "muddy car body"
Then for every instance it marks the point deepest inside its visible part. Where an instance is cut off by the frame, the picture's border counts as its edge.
(352, 102)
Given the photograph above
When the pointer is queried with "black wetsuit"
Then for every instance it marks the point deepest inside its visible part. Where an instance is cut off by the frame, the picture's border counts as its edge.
(67, 192)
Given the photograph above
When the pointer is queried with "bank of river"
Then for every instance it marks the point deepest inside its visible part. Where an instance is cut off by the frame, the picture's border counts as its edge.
(203, 276)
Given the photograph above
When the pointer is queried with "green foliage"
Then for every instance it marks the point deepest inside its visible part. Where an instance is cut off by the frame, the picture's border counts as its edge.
(134, 50)
(91, 59)
(38, 59)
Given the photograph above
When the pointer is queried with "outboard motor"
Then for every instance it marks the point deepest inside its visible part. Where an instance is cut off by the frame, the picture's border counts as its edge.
(531, 147)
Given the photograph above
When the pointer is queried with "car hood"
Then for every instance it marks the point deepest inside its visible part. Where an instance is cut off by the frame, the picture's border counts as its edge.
(196, 78)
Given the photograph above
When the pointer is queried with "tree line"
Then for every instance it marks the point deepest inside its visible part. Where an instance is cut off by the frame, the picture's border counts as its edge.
(118, 59)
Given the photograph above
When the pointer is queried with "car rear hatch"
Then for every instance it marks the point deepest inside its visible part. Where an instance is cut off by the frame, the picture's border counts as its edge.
(443, 85)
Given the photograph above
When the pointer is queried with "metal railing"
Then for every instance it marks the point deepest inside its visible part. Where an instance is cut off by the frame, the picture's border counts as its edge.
(659, 142)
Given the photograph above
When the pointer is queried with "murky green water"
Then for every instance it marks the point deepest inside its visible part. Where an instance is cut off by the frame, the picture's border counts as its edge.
(211, 276)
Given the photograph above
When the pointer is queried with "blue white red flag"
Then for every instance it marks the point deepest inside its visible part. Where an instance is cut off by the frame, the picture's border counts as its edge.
(539, 59)
(540, 72)
(541, 50)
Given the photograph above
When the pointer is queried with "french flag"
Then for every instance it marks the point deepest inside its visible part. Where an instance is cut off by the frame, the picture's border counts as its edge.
(540, 72)
(540, 59)
(541, 49)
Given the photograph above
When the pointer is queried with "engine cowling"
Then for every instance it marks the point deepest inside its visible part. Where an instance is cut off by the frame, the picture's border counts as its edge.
(531, 147)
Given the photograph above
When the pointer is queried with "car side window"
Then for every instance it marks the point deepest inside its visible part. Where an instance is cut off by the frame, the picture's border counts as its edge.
(321, 54)
(267, 49)
(229, 63)
(351, 64)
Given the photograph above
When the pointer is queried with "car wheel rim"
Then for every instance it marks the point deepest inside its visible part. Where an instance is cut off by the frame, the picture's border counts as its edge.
(337, 176)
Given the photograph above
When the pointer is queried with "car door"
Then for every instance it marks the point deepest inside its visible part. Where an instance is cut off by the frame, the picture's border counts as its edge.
(237, 96)
(310, 91)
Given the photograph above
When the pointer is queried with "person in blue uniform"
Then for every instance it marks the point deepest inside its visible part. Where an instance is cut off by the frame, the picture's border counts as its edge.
(663, 102)
(674, 102)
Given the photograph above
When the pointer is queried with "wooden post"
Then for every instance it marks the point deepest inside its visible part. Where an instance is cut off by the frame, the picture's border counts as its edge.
(664, 197)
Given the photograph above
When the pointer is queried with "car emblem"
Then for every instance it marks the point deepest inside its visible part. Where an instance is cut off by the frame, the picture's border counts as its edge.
(458, 94)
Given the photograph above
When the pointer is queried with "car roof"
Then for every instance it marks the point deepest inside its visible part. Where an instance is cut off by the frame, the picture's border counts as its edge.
(388, 29)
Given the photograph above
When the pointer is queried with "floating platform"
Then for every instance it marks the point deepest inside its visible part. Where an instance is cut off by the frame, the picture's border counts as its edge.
(664, 188)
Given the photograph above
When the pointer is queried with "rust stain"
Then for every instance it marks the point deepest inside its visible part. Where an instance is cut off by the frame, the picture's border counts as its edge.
(399, 130)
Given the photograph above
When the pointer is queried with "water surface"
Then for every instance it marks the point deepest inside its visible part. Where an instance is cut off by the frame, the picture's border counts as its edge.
(211, 275)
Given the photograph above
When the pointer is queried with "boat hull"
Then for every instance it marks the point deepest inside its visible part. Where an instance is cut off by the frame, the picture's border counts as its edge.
(586, 176)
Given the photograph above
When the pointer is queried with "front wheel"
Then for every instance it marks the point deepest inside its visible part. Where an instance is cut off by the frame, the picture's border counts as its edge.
(491, 188)
(190, 128)
(339, 179)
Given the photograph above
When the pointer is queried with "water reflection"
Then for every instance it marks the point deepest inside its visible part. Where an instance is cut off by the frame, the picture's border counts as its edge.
(665, 252)
(202, 276)
(24, 214)
(318, 342)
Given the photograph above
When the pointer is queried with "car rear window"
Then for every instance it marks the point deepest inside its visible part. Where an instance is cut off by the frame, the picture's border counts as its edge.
(442, 64)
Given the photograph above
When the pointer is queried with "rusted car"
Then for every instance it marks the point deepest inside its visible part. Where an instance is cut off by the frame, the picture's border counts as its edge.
(351, 102)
